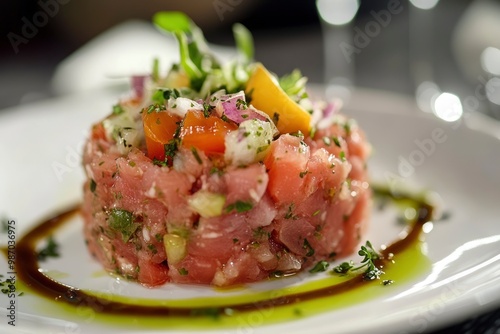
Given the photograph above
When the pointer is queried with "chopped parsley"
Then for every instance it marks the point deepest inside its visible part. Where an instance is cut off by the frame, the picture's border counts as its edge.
(260, 233)
(342, 155)
(92, 185)
(51, 249)
(152, 248)
(289, 214)
(207, 109)
(276, 118)
(320, 267)
(171, 147)
(241, 105)
(160, 163)
(117, 109)
(171, 93)
(216, 170)
(239, 206)
(183, 271)
(336, 141)
(122, 221)
(155, 108)
(196, 155)
(347, 128)
(307, 246)
(302, 174)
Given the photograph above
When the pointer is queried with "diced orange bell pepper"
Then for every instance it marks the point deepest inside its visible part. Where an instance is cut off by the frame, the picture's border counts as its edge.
(205, 133)
(159, 129)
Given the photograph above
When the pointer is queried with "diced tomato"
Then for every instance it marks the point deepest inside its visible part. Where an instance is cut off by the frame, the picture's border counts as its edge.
(286, 161)
(159, 129)
(98, 132)
(205, 133)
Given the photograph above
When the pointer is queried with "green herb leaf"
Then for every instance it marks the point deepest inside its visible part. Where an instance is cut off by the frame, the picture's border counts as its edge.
(172, 21)
(342, 155)
(343, 268)
(369, 255)
(155, 73)
(117, 109)
(51, 249)
(158, 98)
(336, 141)
(196, 155)
(293, 83)
(308, 247)
(319, 267)
(92, 185)
(171, 147)
(239, 206)
(183, 271)
(244, 41)
(122, 221)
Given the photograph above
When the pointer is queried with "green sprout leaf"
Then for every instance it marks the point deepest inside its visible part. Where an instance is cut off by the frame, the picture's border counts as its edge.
(320, 267)
(172, 21)
(369, 255)
(244, 41)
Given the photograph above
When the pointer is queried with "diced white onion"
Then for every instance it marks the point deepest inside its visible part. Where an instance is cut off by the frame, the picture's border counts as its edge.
(207, 204)
(175, 247)
(249, 144)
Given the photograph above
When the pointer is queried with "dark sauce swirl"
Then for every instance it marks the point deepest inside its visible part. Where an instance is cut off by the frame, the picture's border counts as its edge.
(28, 272)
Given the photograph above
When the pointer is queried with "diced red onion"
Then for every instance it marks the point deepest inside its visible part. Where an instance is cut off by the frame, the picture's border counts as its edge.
(331, 108)
(235, 108)
(138, 85)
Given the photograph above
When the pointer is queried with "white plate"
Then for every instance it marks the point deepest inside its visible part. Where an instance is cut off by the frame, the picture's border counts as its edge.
(40, 174)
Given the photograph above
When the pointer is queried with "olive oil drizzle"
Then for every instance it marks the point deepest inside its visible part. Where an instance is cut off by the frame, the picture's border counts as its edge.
(28, 272)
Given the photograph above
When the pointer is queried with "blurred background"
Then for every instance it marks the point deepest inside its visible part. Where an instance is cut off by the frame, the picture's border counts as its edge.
(445, 54)
(440, 52)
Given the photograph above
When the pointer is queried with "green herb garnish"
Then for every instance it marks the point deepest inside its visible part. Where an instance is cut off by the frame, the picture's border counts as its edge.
(293, 83)
(51, 249)
(239, 206)
(206, 74)
(117, 109)
(336, 141)
(122, 221)
(319, 267)
(342, 155)
(307, 246)
(92, 185)
(368, 263)
(196, 155)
